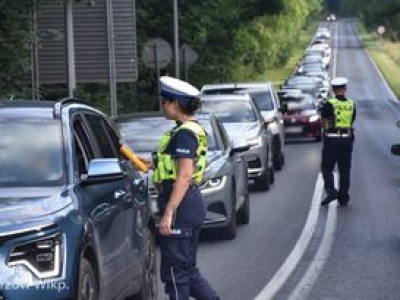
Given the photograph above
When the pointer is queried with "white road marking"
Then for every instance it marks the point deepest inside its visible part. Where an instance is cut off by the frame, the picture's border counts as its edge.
(291, 262)
(306, 284)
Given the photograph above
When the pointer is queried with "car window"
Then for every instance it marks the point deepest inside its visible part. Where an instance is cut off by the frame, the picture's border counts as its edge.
(230, 111)
(211, 139)
(106, 147)
(83, 152)
(224, 135)
(133, 133)
(31, 152)
(263, 101)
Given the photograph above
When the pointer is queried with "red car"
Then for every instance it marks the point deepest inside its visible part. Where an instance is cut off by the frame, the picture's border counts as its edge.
(301, 117)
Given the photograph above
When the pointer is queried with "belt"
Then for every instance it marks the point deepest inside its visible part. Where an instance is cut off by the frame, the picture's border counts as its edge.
(338, 135)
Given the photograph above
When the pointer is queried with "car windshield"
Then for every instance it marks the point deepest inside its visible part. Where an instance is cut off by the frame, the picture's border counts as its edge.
(230, 111)
(263, 101)
(30, 153)
(143, 135)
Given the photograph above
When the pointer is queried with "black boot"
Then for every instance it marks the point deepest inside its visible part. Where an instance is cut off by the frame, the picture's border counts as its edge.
(328, 199)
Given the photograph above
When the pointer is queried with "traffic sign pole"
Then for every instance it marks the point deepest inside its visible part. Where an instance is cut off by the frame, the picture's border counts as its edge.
(157, 75)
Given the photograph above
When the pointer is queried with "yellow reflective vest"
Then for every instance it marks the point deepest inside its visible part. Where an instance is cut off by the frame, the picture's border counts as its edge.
(343, 114)
(165, 164)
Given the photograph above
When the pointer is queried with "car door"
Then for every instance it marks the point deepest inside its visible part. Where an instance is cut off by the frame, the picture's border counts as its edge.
(137, 215)
(113, 209)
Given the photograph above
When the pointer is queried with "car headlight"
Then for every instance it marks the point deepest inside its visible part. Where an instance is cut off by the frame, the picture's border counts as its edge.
(42, 256)
(255, 142)
(313, 119)
(214, 183)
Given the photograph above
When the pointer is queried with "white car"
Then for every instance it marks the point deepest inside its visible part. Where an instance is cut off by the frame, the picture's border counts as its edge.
(331, 18)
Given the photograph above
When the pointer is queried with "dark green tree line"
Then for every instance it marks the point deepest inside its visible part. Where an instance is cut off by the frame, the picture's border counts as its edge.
(376, 12)
(235, 40)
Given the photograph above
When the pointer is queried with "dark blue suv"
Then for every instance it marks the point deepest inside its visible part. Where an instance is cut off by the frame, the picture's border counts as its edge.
(75, 219)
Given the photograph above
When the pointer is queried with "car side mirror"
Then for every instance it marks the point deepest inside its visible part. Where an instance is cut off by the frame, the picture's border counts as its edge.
(239, 145)
(103, 170)
(398, 123)
(395, 149)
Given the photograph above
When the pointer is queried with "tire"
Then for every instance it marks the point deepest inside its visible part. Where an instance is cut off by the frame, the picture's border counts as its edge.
(149, 276)
(88, 287)
(263, 182)
(229, 231)
(278, 163)
(282, 159)
(243, 214)
(271, 175)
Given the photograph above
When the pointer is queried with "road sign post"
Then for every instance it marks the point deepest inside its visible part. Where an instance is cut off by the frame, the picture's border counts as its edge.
(157, 54)
(188, 58)
(380, 30)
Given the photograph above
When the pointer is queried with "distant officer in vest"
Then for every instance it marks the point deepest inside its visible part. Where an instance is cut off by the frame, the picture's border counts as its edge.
(178, 170)
(338, 114)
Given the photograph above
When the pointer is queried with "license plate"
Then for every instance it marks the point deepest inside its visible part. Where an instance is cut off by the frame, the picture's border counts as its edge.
(294, 129)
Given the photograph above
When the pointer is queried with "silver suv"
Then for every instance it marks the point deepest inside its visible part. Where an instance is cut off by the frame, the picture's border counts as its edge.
(267, 101)
(242, 120)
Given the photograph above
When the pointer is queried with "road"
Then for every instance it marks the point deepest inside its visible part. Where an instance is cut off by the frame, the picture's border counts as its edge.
(352, 252)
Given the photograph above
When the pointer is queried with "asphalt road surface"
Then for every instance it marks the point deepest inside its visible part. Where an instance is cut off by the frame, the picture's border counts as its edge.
(293, 248)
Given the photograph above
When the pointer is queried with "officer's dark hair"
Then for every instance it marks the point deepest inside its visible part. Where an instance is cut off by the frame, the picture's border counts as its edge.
(191, 106)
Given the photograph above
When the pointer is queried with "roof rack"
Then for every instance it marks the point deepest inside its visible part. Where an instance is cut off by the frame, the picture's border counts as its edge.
(59, 104)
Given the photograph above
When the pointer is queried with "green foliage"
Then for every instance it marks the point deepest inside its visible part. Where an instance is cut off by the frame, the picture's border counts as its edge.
(376, 12)
(234, 39)
(15, 37)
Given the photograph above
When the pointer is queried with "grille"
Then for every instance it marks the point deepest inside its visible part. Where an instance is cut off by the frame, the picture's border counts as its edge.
(254, 164)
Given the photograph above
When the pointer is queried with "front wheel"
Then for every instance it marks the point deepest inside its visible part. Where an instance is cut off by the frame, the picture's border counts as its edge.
(149, 276)
(229, 231)
(88, 285)
(264, 181)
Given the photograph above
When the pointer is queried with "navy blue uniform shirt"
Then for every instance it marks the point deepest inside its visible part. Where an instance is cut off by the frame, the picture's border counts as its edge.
(183, 144)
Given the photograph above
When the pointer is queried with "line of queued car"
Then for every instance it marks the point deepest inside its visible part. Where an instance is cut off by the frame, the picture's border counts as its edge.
(307, 88)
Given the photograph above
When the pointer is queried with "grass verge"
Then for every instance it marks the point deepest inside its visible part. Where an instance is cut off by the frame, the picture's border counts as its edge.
(386, 56)
(278, 75)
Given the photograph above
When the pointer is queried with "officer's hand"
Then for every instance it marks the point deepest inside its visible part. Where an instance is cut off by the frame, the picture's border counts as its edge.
(165, 224)
(147, 162)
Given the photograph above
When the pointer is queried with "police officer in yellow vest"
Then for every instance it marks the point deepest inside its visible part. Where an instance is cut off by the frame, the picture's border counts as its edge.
(178, 170)
(338, 114)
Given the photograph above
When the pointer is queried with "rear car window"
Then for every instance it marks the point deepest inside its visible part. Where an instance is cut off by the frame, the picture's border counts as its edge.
(31, 152)
(230, 111)
(144, 135)
(263, 101)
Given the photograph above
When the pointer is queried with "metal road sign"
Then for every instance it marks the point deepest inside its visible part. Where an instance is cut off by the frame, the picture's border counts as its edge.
(157, 53)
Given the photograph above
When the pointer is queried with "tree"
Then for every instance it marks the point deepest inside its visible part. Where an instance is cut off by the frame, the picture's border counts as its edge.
(15, 41)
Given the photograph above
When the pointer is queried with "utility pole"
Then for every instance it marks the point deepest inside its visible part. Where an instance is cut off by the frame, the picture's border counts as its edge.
(111, 59)
(176, 38)
(70, 47)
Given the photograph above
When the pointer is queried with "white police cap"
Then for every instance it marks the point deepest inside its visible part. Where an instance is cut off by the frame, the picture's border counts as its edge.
(339, 82)
(172, 88)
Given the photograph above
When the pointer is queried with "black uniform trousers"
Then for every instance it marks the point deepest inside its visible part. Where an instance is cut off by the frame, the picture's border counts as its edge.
(337, 150)
(178, 269)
